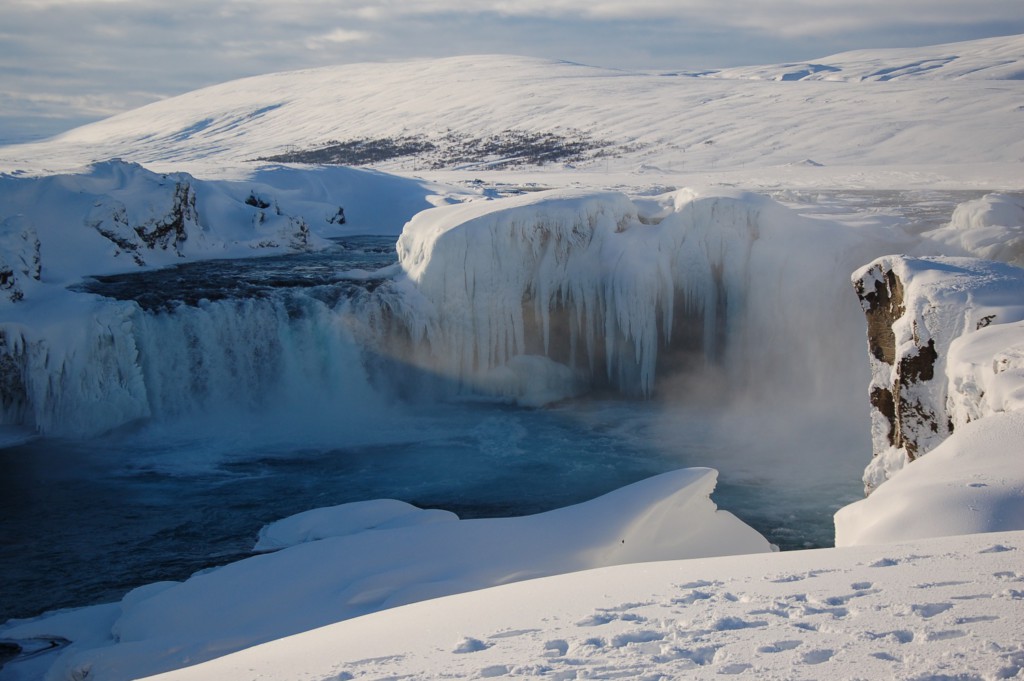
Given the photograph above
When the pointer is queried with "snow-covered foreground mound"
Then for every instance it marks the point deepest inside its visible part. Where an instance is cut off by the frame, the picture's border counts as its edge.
(939, 609)
(345, 562)
(950, 107)
(972, 482)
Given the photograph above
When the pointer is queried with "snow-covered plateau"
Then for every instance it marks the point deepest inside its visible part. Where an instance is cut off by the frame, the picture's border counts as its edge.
(722, 240)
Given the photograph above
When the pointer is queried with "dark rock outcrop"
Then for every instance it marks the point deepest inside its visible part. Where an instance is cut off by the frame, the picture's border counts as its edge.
(915, 308)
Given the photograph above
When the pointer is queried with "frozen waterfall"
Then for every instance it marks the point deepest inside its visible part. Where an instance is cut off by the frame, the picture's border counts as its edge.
(535, 298)
(726, 294)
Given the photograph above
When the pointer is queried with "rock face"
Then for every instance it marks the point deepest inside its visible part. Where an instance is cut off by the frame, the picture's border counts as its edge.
(166, 228)
(20, 258)
(915, 309)
(118, 216)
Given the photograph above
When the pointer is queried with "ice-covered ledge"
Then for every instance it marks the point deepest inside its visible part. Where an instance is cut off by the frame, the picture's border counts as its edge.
(916, 308)
(553, 294)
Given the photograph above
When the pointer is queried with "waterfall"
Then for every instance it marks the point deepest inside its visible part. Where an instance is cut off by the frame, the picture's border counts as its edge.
(532, 299)
(288, 355)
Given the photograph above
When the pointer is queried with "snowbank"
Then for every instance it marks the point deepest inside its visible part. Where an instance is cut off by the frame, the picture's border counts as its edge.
(351, 572)
(940, 609)
(338, 521)
(991, 228)
(970, 483)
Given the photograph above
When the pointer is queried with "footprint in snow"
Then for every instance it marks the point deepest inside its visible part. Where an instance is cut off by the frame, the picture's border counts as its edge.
(901, 636)
(736, 668)
(861, 586)
(734, 623)
(470, 645)
(974, 620)
(556, 648)
(699, 584)
(646, 636)
(692, 597)
(884, 562)
(779, 646)
(596, 620)
(787, 578)
(818, 656)
(513, 632)
(998, 548)
(494, 671)
(934, 585)
(928, 610)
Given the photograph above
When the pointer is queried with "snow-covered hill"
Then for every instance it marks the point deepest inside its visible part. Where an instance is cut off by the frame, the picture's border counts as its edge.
(986, 59)
(474, 112)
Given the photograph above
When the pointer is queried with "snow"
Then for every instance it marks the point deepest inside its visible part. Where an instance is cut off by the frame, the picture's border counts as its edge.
(338, 521)
(971, 483)
(987, 59)
(928, 609)
(97, 221)
(349, 561)
(537, 298)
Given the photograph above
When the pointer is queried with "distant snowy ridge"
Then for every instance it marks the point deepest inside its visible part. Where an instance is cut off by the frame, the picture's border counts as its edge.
(985, 59)
(674, 122)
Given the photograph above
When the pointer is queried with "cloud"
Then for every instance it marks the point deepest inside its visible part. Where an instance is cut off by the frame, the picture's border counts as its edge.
(75, 53)
(338, 35)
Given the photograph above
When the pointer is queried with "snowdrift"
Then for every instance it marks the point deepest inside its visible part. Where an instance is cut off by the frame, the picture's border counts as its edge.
(379, 555)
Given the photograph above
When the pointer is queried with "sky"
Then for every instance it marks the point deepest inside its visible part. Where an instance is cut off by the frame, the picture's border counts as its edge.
(67, 62)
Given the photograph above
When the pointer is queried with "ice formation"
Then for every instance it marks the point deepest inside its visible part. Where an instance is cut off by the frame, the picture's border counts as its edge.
(991, 228)
(533, 298)
(612, 296)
